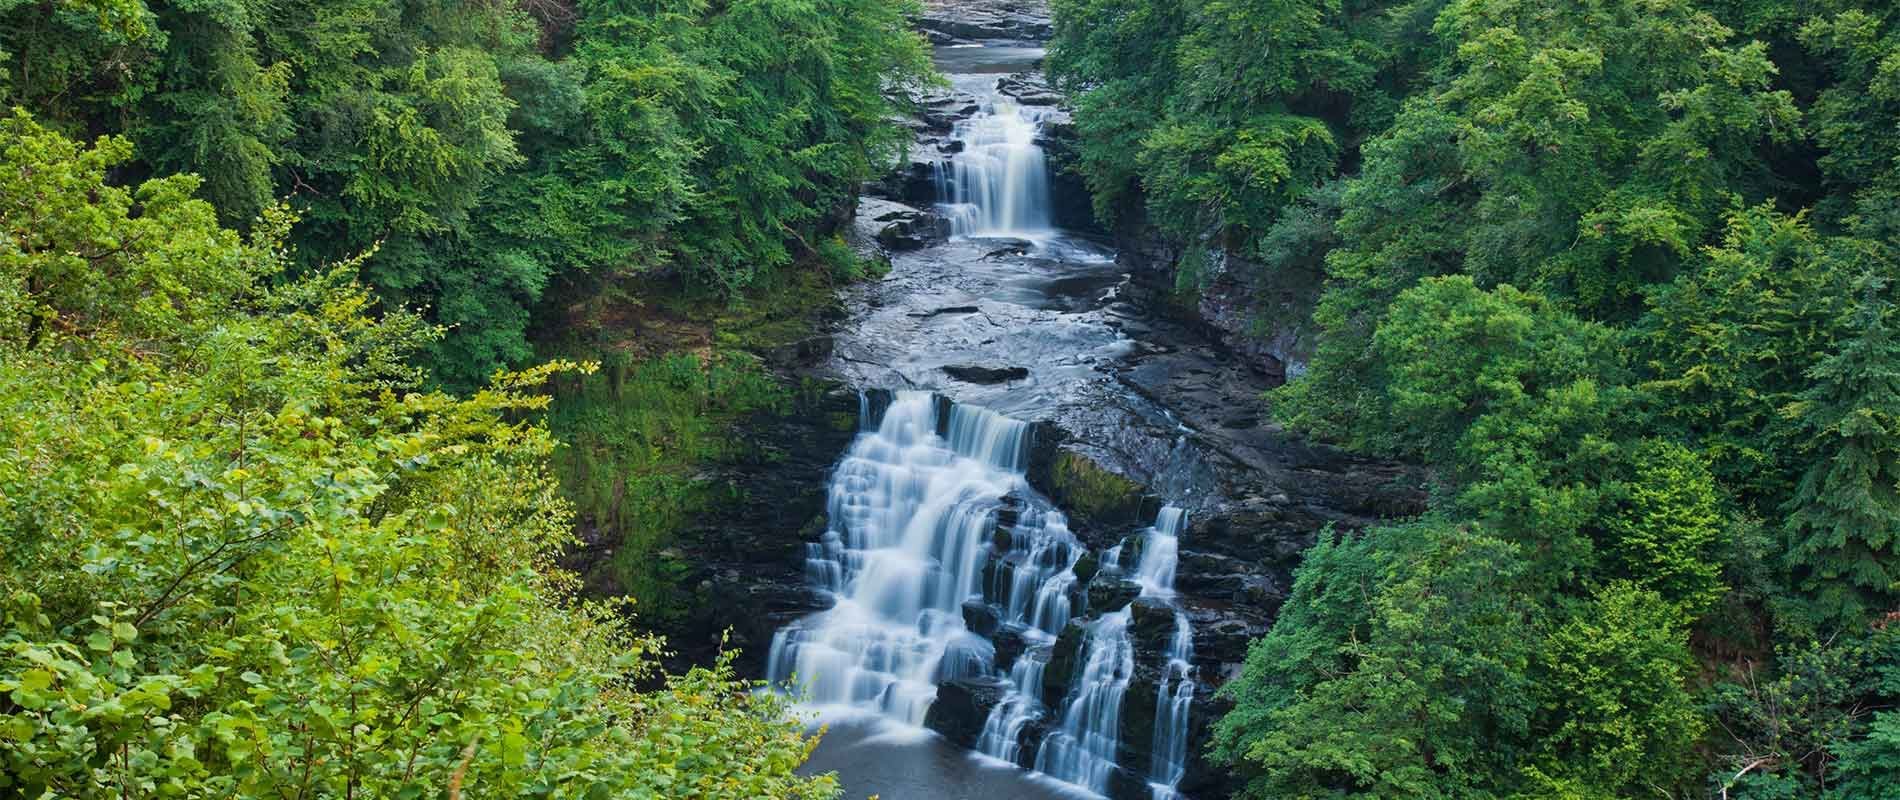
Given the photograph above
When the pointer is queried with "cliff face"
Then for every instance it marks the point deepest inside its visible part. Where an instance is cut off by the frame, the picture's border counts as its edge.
(741, 556)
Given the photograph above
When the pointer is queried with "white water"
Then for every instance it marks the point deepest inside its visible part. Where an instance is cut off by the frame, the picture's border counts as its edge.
(1082, 750)
(912, 513)
(999, 184)
(1082, 747)
(1174, 695)
(1173, 698)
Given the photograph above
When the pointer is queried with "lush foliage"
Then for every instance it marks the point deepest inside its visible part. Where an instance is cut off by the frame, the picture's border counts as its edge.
(639, 436)
(492, 151)
(246, 555)
(1621, 274)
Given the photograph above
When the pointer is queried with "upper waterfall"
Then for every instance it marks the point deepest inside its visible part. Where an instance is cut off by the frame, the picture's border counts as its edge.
(998, 185)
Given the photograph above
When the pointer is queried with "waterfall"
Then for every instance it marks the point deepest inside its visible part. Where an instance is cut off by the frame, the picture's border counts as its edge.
(912, 508)
(1174, 694)
(1173, 697)
(1155, 571)
(1082, 751)
(932, 519)
(998, 185)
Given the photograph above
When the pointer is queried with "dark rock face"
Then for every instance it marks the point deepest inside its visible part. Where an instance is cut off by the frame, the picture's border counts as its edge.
(1063, 662)
(902, 227)
(962, 706)
(746, 554)
(981, 618)
(1108, 593)
(976, 373)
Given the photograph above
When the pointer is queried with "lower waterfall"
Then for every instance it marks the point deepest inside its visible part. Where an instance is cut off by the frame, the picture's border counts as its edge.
(937, 550)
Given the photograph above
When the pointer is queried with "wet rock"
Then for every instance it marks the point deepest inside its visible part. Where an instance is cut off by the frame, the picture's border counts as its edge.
(962, 706)
(946, 310)
(981, 618)
(912, 230)
(1063, 657)
(1011, 644)
(1151, 629)
(1109, 593)
(1095, 496)
(957, 21)
(1086, 566)
(1029, 742)
(973, 373)
(1126, 784)
(1215, 576)
(1134, 751)
(1221, 637)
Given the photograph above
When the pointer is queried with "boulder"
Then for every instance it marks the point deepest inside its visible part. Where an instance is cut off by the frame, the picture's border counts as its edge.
(1151, 628)
(976, 373)
(1096, 497)
(1108, 593)
(1063, 657)
(981, 618)
(963, 706)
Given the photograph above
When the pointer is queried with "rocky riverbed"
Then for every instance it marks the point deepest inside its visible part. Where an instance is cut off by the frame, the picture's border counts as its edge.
(1134, 404)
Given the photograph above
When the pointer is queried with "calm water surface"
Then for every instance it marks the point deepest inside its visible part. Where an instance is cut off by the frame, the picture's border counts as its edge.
(873, 756)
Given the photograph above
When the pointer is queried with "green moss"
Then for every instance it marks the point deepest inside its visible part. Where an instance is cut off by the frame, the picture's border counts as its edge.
(638, 437)
(1094, 494)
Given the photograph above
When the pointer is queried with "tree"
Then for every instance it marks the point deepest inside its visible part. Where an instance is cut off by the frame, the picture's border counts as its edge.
(248, 556)
(1616, 715)
(1416, 689)
(1663, 533)
(1844, 518)
(1726, 345)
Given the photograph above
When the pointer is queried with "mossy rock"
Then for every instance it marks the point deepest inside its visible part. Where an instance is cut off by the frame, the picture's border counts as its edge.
(1086, 566)
(1110, 593)
(1094, 496)
(814, 528)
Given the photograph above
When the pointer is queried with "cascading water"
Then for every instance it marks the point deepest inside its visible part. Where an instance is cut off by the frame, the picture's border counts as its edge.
(1082, 747)
(998, 185)
(913, 506)
(1082, 750)
(931, 515)
(1174, 694)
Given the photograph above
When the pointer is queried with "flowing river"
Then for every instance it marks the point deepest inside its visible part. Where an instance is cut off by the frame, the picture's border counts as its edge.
(943, 566)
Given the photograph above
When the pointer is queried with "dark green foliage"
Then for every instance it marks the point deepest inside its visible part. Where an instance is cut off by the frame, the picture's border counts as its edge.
(247, 555)
(637, 436)
(1618, 272)
(1664, 531)
(1617, 717)
(1399, 670)
(480, 166)
(1844, 518)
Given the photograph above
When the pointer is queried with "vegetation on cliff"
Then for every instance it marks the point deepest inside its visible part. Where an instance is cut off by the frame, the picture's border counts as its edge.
(492, 153)
(248, 555)
(281, 500)
(1622, 273)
